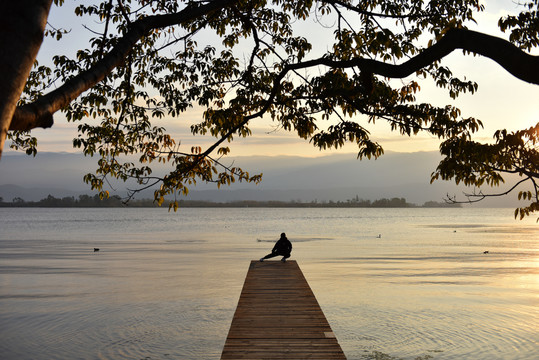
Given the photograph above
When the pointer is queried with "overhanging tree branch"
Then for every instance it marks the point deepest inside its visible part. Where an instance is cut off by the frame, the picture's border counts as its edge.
(515, 61)
(275, 79)
(511, 58)
(39, 113)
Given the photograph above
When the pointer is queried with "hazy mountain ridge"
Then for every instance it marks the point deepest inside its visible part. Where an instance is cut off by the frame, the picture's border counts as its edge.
(335, 177)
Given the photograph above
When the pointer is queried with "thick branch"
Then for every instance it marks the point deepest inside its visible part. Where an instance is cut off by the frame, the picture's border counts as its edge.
(39, 113)
(515, 61)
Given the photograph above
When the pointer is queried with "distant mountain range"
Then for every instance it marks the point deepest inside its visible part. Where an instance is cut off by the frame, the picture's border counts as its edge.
(285, 178)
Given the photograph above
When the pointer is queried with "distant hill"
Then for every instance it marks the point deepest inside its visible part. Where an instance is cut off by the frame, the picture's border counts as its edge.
(331, 177)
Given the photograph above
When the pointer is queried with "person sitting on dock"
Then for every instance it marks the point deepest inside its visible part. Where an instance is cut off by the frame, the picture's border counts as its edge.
(282, 247)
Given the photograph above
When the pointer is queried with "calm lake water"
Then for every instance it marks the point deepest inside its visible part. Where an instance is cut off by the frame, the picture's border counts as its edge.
(165, 285)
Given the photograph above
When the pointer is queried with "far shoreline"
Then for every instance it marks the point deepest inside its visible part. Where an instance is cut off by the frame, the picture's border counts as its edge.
(86, 201)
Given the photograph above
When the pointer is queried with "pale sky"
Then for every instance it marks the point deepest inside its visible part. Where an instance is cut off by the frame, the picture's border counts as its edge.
(501, 101)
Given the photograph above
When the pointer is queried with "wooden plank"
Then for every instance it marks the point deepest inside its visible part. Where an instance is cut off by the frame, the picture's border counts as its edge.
(278, 317)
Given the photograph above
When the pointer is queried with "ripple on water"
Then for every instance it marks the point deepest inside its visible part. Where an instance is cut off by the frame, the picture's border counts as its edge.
(133, 331)
(174, 332)
(461, 335)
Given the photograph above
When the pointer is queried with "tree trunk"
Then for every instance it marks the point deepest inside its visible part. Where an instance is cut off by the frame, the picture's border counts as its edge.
(22, 24)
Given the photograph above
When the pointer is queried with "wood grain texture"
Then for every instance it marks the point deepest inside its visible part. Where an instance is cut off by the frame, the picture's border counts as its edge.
(278, 317)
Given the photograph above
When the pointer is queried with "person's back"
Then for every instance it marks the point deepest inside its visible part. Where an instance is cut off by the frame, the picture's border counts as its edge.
(283, 245)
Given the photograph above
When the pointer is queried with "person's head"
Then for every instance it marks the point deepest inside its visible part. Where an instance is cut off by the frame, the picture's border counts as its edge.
(283, 236)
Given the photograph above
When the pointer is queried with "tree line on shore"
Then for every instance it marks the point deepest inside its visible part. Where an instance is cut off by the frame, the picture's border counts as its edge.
(116, 201)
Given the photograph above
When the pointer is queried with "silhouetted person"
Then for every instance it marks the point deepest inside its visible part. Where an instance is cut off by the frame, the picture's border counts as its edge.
(283, 247)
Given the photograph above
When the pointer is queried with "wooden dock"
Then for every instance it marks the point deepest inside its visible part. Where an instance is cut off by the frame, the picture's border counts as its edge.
(278, 317)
